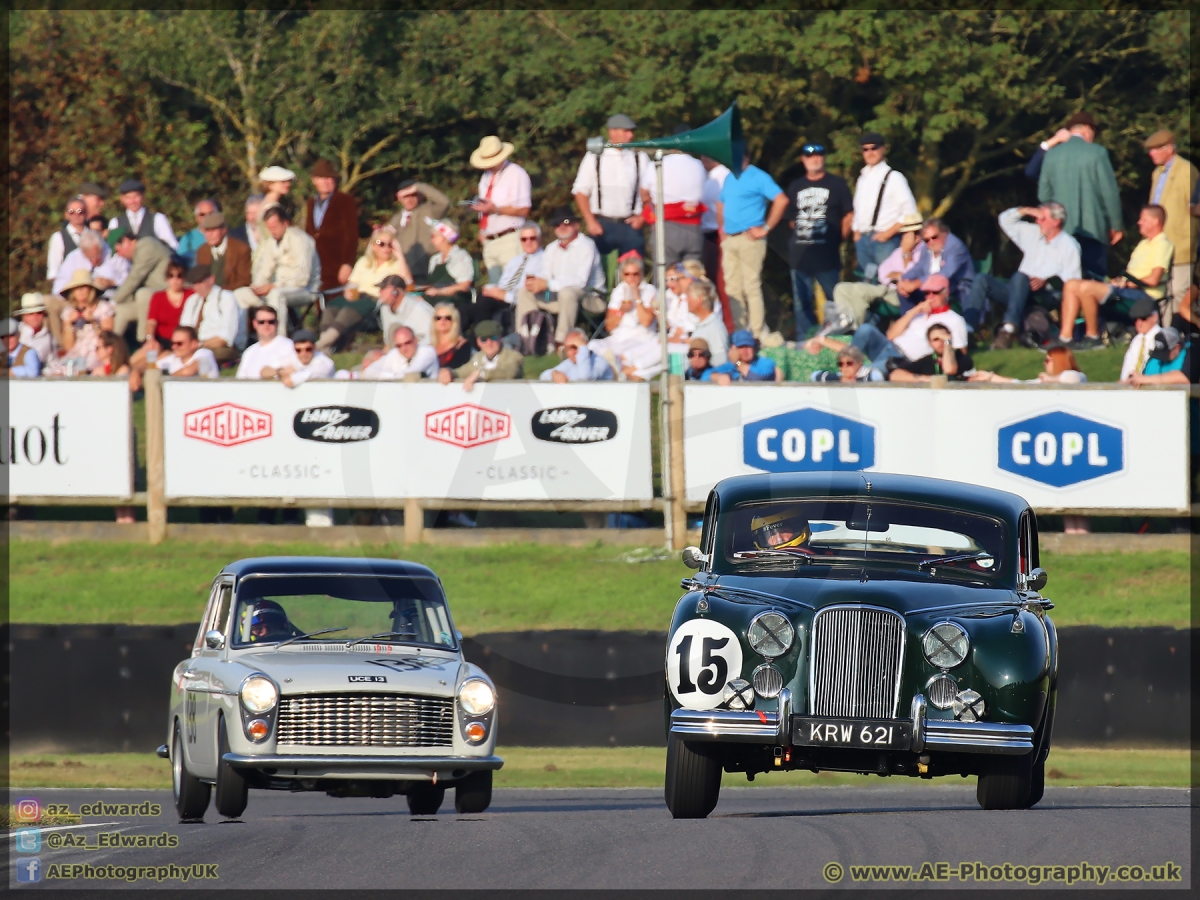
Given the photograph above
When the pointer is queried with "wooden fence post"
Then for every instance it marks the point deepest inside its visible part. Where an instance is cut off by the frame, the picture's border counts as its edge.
(414, 521)
(678, 485)
(156, 502)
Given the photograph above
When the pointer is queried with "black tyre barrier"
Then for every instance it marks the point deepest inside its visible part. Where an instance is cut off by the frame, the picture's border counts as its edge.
(105, 688)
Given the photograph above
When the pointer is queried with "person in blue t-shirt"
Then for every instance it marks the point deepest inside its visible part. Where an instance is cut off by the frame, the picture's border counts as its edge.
(1170, 361)
(748, 207)
(744, 363)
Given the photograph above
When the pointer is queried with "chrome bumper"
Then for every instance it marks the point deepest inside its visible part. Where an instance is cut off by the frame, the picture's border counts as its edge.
(753, 727)
(978, 737)
(403, 767)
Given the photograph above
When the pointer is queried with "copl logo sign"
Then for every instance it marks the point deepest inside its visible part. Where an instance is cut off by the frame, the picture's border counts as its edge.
(1061, 449)
(808, 440)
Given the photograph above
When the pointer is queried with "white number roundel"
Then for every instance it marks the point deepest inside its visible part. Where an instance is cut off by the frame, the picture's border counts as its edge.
(702, 657)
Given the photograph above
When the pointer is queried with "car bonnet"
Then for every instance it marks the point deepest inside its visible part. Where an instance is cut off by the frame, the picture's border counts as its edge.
(404, 670)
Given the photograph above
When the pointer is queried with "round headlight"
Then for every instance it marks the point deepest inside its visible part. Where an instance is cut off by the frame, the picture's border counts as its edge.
(259, 694)
(945, 645)
(476, 697)
(770, 634)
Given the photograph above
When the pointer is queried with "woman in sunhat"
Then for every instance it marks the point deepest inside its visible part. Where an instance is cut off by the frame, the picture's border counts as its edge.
(84, 317)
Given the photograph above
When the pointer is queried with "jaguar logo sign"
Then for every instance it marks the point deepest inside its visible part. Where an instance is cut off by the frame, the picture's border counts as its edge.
(467, 425)
(336, 424)
(808, 440)
(1060, 449)
(574, 425)
(227, 424)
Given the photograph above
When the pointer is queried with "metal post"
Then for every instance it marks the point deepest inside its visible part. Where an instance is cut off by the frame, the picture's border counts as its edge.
(156, 502)
(664, 391)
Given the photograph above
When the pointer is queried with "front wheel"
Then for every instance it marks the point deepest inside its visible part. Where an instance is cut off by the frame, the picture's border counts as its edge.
(232, 791)
(474, 793)
(1006, 783)
(693, 782)
(191, 794)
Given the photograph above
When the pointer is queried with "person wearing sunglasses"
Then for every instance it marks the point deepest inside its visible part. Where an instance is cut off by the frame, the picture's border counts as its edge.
(572, 276)
(166, 307)
(820, 209)
(944, 254)
(408, 360)
(364, 285)
(187, 358)
(66, 238)
(579, 363)
(493, 362)
(271, 352)
(313, 363)
(882, 198)
(699, 361)
(517, 276)
(851, 368)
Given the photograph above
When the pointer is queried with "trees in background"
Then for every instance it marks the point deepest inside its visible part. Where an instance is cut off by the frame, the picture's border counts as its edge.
(196, 102)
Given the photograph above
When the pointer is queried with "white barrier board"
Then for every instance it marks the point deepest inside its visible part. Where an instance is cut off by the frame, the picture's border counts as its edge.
(1057, 448)
(67, 438)
(390, 440)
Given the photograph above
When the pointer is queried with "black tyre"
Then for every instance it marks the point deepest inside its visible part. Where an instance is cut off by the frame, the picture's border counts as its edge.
(693, 783)
(474, 793)
(1007, 783)
(232, 791)
(1037, 779)
(191, 794)
(425, 799)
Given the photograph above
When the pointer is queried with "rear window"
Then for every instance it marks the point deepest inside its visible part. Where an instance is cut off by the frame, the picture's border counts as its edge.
(885, 532)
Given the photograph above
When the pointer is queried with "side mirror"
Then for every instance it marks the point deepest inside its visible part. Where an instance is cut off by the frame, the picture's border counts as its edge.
(693, 558)
(458, 634)
(1037, 579)
(214, 640)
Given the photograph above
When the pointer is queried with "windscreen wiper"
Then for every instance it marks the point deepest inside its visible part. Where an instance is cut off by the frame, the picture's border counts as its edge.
(300, 637)
(749, 555)
(956, 558)
(382, 634)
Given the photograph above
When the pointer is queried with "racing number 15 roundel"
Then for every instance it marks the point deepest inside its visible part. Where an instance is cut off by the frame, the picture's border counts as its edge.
(702, 658)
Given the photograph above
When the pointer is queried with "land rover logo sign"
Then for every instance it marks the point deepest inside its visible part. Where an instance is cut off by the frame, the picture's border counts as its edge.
(336, 424)
(574, 425)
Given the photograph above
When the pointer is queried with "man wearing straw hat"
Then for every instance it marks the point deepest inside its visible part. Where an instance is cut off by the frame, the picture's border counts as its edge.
(504, 201)
(34, 333)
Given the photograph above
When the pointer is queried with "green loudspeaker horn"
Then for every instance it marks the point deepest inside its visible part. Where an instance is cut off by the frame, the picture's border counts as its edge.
(720, 139)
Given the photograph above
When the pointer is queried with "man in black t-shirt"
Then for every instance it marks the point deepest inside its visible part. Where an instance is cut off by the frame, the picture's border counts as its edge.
(944, 360)
(820, 209)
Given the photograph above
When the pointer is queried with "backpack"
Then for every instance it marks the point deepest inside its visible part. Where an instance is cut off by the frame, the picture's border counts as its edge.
(1038, 327)
(536, 330)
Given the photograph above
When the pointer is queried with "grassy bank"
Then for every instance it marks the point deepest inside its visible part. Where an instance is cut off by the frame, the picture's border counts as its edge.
(516, 587)
(575, 767)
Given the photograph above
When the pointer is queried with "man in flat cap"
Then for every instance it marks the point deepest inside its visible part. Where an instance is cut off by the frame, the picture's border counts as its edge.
(226, 256)
(608, 191)
(93, 196)
(420, 203)
(1171, 186)
(66, 239)
(882, 198)
(139, 221)
(331, 220)
(1078, 174)
(504, 200)
(148, 259)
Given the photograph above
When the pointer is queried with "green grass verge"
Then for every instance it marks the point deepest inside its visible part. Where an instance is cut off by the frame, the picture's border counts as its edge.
(516, 586)
(1020, 362)
(577, 767)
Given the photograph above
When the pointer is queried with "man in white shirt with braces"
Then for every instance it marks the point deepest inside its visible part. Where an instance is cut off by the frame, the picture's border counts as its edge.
(608, 191)
(881, 199)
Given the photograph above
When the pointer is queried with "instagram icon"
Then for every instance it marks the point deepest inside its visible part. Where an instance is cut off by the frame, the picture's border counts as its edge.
(28, 810)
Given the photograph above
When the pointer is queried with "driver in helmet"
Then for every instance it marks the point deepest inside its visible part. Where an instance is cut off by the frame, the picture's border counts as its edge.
(269, 622)
(785, 529)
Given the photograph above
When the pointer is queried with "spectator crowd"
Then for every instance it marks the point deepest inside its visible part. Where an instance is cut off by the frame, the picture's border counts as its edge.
(282, 292)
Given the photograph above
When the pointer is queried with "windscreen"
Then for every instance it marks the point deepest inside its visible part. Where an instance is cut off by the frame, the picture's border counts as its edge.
(272, 609)
(754, 535)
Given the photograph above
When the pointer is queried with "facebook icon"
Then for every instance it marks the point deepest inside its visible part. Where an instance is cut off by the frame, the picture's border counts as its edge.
(29, 869)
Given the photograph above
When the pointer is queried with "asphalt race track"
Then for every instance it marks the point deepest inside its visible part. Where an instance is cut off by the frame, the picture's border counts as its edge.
(621, 838)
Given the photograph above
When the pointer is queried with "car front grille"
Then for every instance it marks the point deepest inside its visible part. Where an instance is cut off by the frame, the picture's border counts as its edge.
(856, 655)
(366, 720)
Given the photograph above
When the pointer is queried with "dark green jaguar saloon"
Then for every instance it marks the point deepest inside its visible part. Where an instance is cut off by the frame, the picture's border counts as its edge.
(858, 622)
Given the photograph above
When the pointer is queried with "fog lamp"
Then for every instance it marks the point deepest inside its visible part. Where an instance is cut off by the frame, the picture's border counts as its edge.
(476, 732)
(257, 729)
(738, 694)
(968, 706)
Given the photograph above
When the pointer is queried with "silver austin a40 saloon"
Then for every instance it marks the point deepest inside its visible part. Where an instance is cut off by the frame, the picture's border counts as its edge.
(324, 674)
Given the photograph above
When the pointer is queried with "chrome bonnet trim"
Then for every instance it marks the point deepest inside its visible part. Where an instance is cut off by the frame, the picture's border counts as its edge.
(978, 737)
(357, 763)
(729, 725)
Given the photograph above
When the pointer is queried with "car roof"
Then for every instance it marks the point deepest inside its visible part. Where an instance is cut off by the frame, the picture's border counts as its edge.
(883, 486)
(326, 565)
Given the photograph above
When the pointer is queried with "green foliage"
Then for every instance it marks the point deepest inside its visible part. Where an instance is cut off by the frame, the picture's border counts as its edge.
(963, 96)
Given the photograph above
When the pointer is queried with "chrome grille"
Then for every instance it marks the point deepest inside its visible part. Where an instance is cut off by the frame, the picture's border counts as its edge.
(366, 720)
(854, 663)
